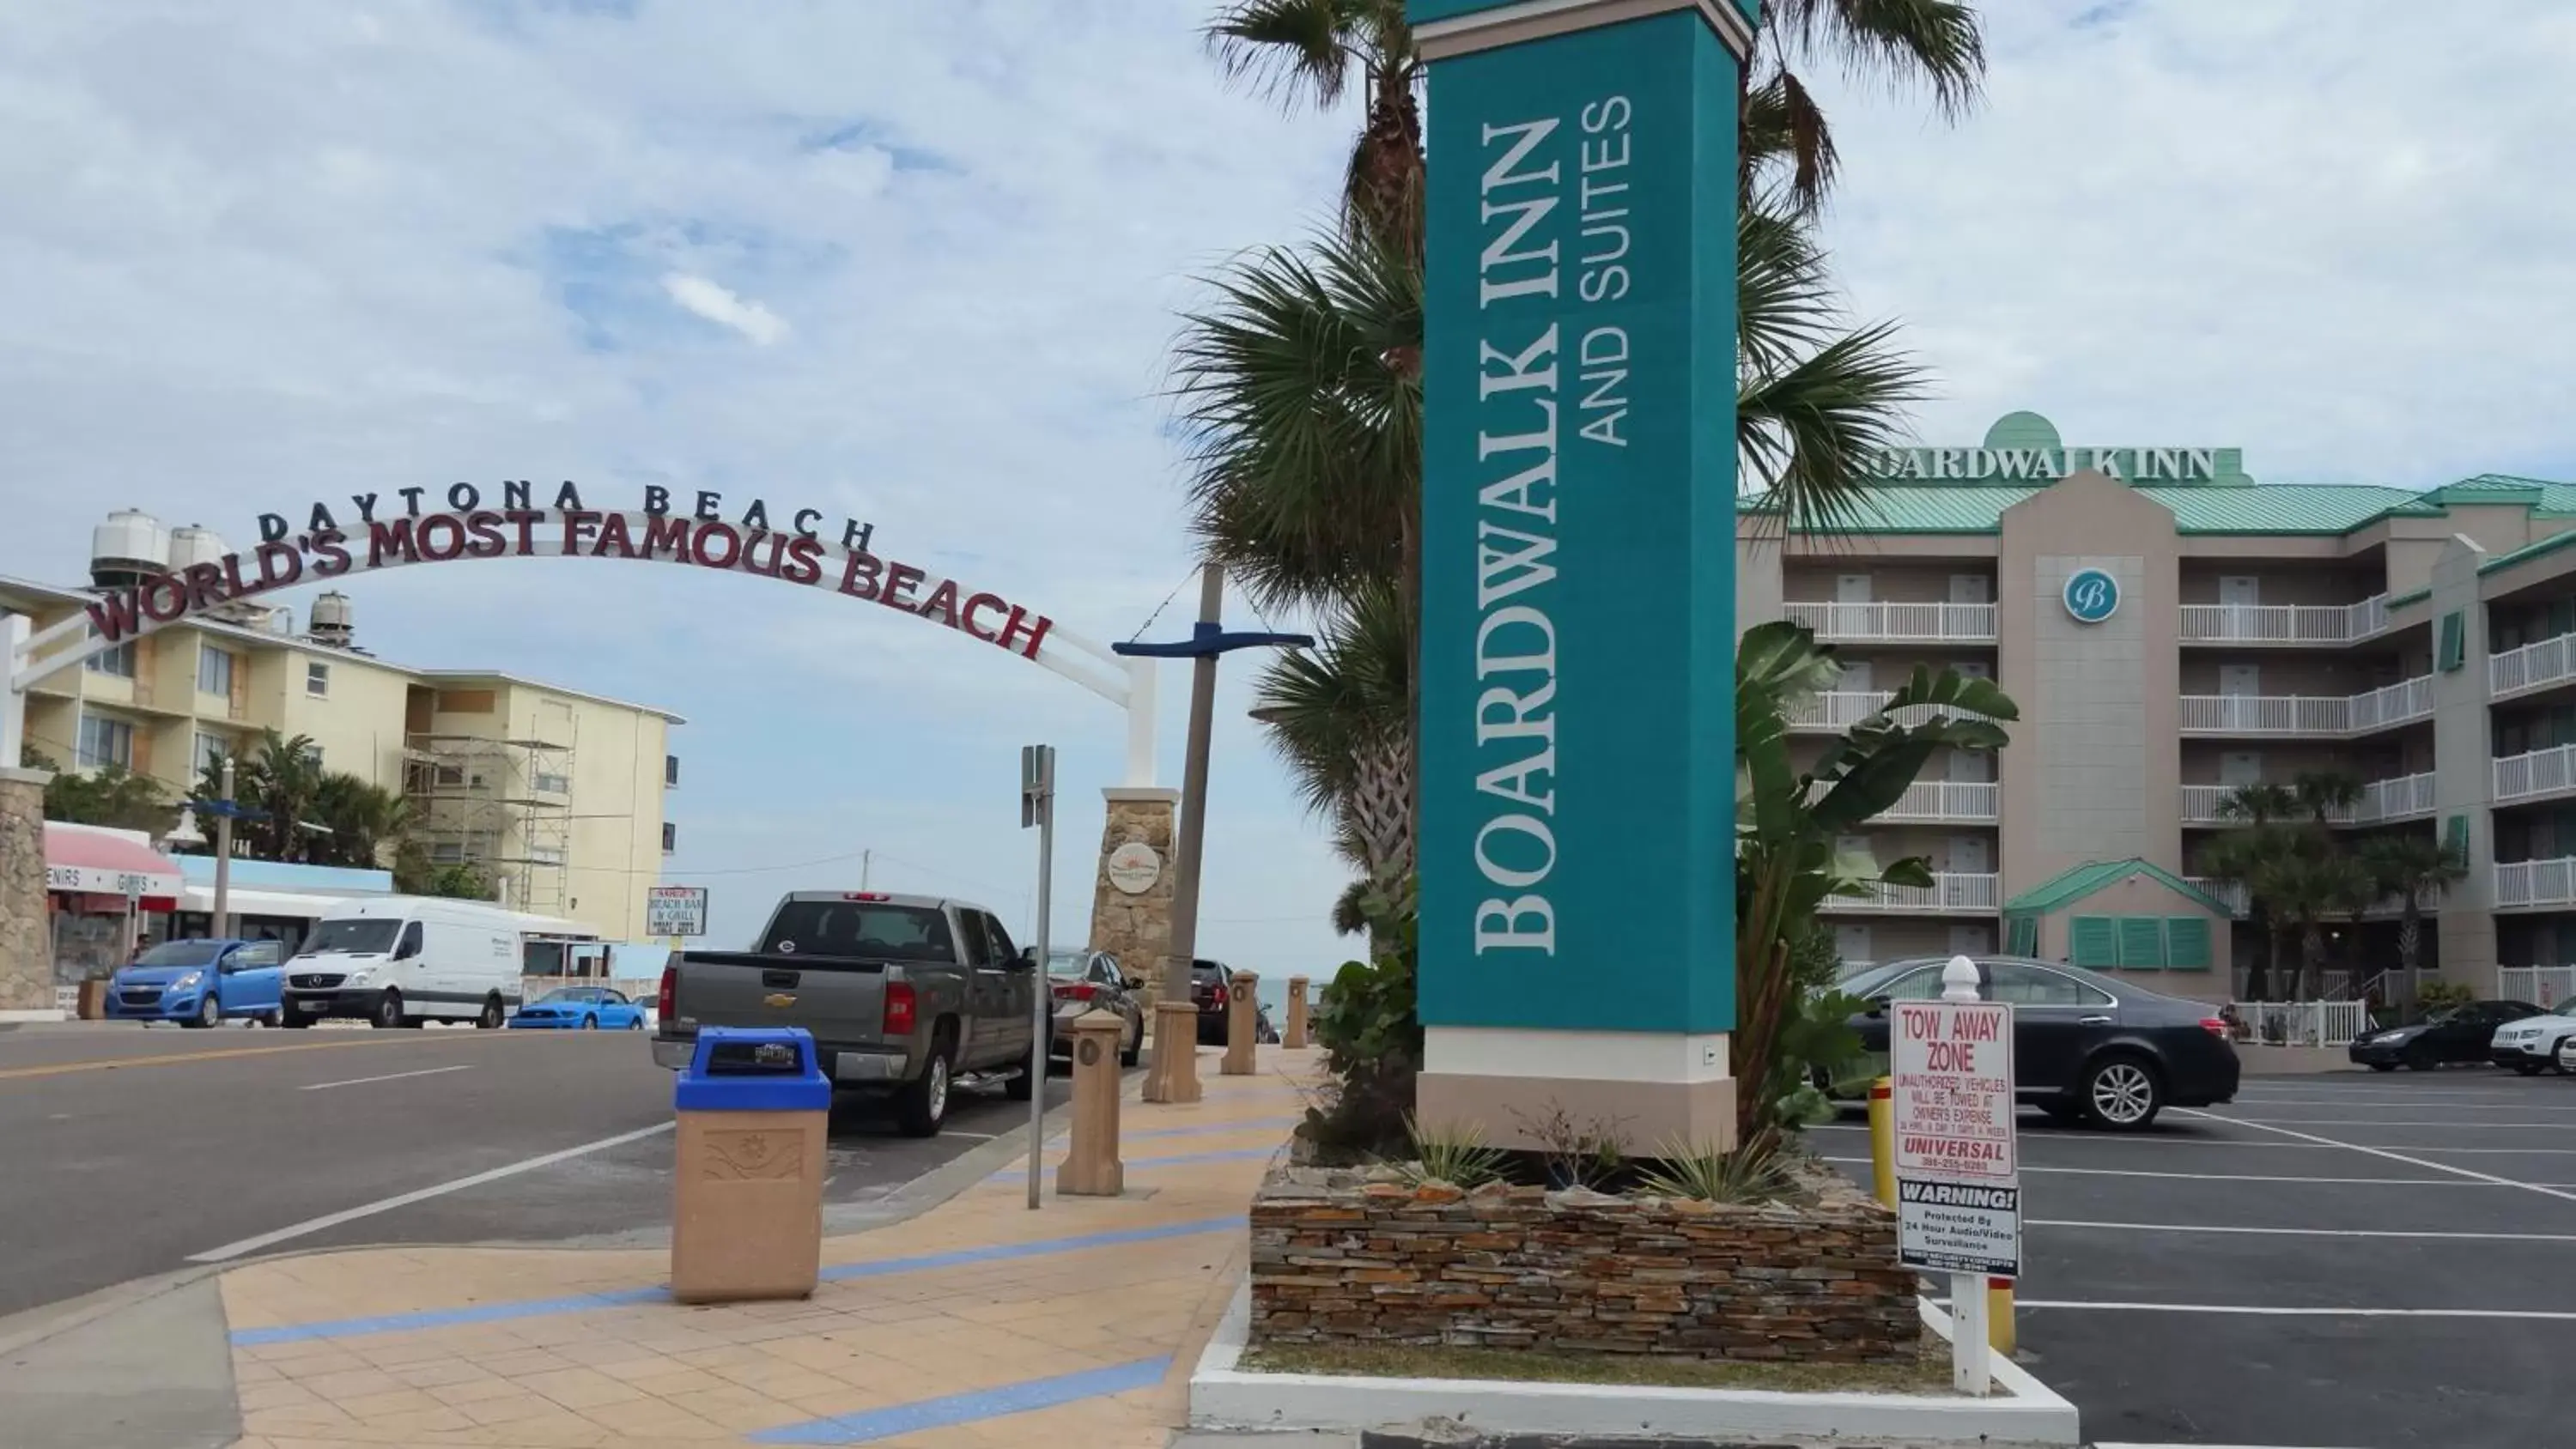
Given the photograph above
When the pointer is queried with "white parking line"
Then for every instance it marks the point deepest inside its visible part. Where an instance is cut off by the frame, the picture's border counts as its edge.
(2118, 1140)
(2237, 1177)
(2248, 1310)
(2425, 1101)
(389, 1077)
(230, 1251)
(2544, 1189)
(2358, 1122)
(2300, 1232)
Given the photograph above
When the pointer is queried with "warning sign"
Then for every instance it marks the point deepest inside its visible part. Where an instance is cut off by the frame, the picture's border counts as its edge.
(1959, 1227)
(1952, 1068)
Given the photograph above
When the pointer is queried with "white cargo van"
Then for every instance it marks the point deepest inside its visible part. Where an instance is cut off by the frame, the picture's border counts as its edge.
(404, 960)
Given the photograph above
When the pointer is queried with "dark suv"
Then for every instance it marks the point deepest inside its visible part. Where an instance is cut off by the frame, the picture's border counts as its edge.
(1209, 983)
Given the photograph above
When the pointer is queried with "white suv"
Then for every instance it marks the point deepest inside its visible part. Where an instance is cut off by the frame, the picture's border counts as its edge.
(2535, 1043)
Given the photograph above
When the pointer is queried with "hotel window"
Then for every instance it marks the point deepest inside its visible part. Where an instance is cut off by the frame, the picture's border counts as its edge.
(317, 679)
(118, 661)
(546, 854)
(214, 671)
(670, 770)
(550, 783)
(105, 742)
(670, 836)
(209, 750)
(447, 852)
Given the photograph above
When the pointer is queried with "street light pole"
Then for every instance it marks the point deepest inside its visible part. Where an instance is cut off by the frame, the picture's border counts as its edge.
(1194, 786)
(224, 858)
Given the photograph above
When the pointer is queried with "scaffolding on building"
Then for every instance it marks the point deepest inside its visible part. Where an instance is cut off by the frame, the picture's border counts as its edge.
(501, 806)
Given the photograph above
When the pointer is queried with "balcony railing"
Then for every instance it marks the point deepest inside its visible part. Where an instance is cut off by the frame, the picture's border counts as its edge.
(2308, 714)
(2284, 623)
(2536, 882)
(2391, 799)
(2541, 772)
(2233, 893)
(1842, 708)
(1946, 800)
(2544, 986)
(1947, 623)
(2531, 666)
(1950, 892)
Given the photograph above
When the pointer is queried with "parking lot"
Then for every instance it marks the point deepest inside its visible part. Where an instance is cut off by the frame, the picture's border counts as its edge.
(2345, 1261)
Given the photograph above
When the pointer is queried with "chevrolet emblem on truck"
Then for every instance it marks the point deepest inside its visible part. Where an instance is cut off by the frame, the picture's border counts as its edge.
(779, 999)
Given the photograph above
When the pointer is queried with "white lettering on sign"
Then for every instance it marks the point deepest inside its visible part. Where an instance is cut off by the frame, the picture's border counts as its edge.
(2043, 465)
(1952, 1071)
(1959, 1227)
(1518, 395)
(1602, 353)
(675, 911)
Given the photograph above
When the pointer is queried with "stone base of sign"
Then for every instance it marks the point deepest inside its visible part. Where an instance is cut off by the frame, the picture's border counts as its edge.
(1137, 929)
(26, 943)
(1340, 1257)
(1645, 1089)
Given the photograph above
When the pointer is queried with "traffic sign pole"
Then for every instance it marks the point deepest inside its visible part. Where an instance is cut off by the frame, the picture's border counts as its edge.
(1971, 1362)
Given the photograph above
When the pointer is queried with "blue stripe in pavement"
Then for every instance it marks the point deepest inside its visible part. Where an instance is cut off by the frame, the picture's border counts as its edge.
(1019, 1398)
(1242, 1155)
(1218, 1129)
(627, 1297)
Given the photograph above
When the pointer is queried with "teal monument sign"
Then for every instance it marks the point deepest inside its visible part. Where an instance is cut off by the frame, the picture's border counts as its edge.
(1578, 639)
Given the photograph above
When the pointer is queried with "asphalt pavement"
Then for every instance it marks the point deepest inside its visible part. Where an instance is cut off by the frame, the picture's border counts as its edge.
(136, 1151)
(2338, 1262)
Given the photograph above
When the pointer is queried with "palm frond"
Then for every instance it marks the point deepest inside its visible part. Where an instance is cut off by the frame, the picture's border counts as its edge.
(1931, 44)
(1295, 50)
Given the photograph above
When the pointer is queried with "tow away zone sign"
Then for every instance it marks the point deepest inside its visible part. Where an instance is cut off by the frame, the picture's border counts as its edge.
(1958, 1174)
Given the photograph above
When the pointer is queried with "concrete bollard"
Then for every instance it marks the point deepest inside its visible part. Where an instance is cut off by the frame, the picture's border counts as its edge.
(1999, 1316)
(1293, 1035)
(1175, 1077)
(1091, 1166)
(1242, 1024)
(747, 1188)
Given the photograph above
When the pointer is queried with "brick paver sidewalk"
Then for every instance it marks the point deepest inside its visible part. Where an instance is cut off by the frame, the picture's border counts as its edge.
(976, 1323)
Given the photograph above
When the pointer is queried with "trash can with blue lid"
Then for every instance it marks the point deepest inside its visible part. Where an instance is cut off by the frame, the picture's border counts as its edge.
(747, 1210)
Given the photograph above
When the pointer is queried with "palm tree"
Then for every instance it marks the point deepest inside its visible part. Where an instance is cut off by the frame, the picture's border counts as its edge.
(2411, 867)
(1341, 716)
(2326, 794)
(280, 778)
(363, 821)
(1934, 44)
(2259, 804)
(1309, 52)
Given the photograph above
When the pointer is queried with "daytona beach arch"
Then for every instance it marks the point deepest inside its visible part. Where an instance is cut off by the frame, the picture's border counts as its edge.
(802, 555)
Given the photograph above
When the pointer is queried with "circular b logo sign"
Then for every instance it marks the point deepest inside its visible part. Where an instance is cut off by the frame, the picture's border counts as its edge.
(2092, 596)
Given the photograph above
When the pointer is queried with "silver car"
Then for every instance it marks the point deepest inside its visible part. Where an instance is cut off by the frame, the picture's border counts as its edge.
(1093, 980)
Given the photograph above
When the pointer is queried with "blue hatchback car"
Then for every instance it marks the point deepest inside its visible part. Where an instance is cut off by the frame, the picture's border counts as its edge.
(199, 983)
(580, 1008)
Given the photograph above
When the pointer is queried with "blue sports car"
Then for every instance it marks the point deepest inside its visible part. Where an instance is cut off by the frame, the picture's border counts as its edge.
(580, 1008)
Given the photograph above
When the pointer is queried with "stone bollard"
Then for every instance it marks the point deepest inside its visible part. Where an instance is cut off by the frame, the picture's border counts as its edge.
(1091, 1167)
(1242, 1024)
(1293, 1035)
(1175, 1077)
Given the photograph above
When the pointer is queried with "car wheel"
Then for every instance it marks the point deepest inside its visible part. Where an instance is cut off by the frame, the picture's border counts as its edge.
(389, 1012)
(590, 1023)
(210, 1012)
(490, 1018)
(2419, 1058)
(2122, 1093)
(921, 1108)
(1135, 1048)
(635, 1022)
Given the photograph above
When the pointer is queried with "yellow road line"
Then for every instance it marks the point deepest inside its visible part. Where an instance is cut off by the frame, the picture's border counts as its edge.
(109, 1064)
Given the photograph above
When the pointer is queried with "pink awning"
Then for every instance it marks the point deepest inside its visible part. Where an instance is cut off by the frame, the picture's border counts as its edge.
(87, 860)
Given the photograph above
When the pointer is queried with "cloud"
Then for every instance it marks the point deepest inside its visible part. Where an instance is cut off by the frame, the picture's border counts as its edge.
(719, 305)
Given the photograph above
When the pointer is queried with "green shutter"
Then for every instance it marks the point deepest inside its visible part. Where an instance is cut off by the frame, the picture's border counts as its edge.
(2455, 836)
(2093, 941)
(2022, 936)
(2187, 943)
(2142, 943)
(2454, 641)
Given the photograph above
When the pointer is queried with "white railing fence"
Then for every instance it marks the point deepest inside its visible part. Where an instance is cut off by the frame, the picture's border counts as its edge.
(2309, 714)
(2380, 800)
(1883, 620)
(1840, 709)
(2299, 1023)
(2536, 882)
(1947, 800)
(2541, 772)
(1949, 891)
(2284, 623)
(2547, 986)
(2531, 666)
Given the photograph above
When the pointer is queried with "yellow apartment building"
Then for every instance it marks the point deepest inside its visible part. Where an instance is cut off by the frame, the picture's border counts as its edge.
(557, 796)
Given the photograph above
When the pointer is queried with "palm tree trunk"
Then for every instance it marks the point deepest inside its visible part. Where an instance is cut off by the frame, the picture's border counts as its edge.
(2410, 935)
(2258, 977)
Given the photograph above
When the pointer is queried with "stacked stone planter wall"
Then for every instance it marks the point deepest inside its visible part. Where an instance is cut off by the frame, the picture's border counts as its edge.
(1340, 1259)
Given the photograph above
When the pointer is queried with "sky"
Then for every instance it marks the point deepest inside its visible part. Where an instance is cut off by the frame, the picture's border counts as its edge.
(919, 262)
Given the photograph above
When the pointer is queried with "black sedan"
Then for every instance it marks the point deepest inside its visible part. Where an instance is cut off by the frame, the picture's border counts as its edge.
(2453, 1034)
(2086, 1048)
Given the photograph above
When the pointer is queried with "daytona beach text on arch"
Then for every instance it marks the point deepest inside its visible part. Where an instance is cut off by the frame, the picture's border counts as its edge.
(568, 531)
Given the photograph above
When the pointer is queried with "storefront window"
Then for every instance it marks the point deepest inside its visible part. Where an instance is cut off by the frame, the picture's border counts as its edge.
(105, 741)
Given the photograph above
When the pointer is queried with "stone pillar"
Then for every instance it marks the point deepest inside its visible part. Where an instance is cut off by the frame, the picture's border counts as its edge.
(1292, 1034)
(1578, 770)
(26, 942)
(1242, 1024)
(1131, 897)
(1091, 1166)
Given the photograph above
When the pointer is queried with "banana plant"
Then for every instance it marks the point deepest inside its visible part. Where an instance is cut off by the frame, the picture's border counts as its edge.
(1788, 820)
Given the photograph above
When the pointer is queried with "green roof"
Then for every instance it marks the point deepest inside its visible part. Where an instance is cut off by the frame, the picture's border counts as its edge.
(2318, 508)
(2067, 887)
(2551, 544)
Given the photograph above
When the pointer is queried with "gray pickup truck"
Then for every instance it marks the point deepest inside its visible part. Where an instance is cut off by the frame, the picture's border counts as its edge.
(905, 996)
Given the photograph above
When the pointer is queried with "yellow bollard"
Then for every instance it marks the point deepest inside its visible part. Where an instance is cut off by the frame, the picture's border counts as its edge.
(1882, 1140)
(1999, 1315)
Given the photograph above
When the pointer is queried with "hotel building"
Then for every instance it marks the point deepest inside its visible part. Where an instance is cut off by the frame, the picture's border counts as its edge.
(2170, 629)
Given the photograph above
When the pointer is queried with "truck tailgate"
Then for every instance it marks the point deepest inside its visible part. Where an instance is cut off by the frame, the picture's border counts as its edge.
(840, 1000)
